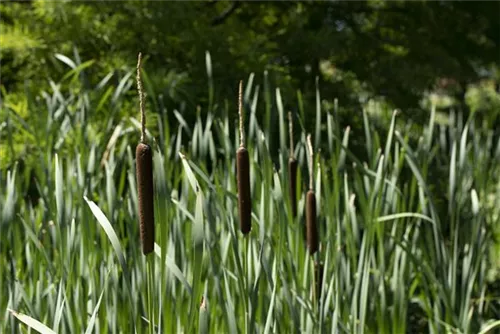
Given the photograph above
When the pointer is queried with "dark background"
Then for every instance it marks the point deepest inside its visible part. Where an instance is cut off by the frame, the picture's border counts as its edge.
(395, 51)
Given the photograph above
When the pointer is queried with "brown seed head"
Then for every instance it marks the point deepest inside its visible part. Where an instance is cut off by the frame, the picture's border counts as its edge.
(292, 184)
(312, 230)
(144, 168)
(244, 200)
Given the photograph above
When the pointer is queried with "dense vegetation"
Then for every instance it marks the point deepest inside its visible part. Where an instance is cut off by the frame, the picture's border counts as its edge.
(394, 50)
(392, 261)
(407, 202)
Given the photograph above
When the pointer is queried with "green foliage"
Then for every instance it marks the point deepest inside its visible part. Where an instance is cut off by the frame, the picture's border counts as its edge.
(395, 258)
(408, 204)
(484, 99)
(398, 50)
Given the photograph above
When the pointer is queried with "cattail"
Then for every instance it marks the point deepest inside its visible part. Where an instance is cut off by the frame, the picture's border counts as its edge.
(292, 170)
(312, 232)
(144, 169)
(243, 174)
(311, 228)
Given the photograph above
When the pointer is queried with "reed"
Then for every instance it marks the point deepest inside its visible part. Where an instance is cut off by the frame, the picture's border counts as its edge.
(311, 228)
(243, 173)
(144, 170)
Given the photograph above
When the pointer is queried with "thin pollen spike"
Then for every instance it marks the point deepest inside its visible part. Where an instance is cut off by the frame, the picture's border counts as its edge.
(141, 98)
(290, 132)
(310, 162)
(240, 112)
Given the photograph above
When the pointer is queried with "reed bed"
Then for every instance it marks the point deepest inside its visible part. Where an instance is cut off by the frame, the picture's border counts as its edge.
(397, 254)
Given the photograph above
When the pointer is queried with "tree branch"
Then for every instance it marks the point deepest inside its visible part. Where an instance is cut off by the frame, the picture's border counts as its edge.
(225, 14)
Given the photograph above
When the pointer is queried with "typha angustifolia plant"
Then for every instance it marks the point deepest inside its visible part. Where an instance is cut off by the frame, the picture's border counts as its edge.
(144, 170)
(244, 198)
(311, 228)
(292, 169)
(311, 225)
(243, 173)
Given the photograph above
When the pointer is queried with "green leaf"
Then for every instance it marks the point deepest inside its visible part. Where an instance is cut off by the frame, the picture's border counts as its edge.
(59, 192)
(110, 232)
(170, 263)
(269, 318)
(32, 323)
(203, 321)
(404, 215)
(90, 325)
(65, 60)
(487, 329)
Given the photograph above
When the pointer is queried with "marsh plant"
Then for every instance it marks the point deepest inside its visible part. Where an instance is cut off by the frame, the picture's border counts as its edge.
(393, 250)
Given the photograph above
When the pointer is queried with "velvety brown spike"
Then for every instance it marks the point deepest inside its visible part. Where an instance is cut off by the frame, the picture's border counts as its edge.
(144, 168)
(312, 230)
(244, 200)
(318, 278)
(292, 183)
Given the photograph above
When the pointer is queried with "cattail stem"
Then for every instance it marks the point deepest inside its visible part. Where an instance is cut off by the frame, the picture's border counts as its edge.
(144, 170)
(150, 290)
(243, 174)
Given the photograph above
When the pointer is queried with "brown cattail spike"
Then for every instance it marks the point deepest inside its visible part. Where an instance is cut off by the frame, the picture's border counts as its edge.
(244, 200)
(243, 174)
(292, 183)
(292, 170)
(311, 228)
(144, 169)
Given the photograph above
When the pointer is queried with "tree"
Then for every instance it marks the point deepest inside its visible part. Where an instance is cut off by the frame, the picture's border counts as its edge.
(396, 49)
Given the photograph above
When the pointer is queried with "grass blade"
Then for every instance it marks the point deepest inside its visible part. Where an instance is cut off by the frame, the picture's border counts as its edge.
(32, 323)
